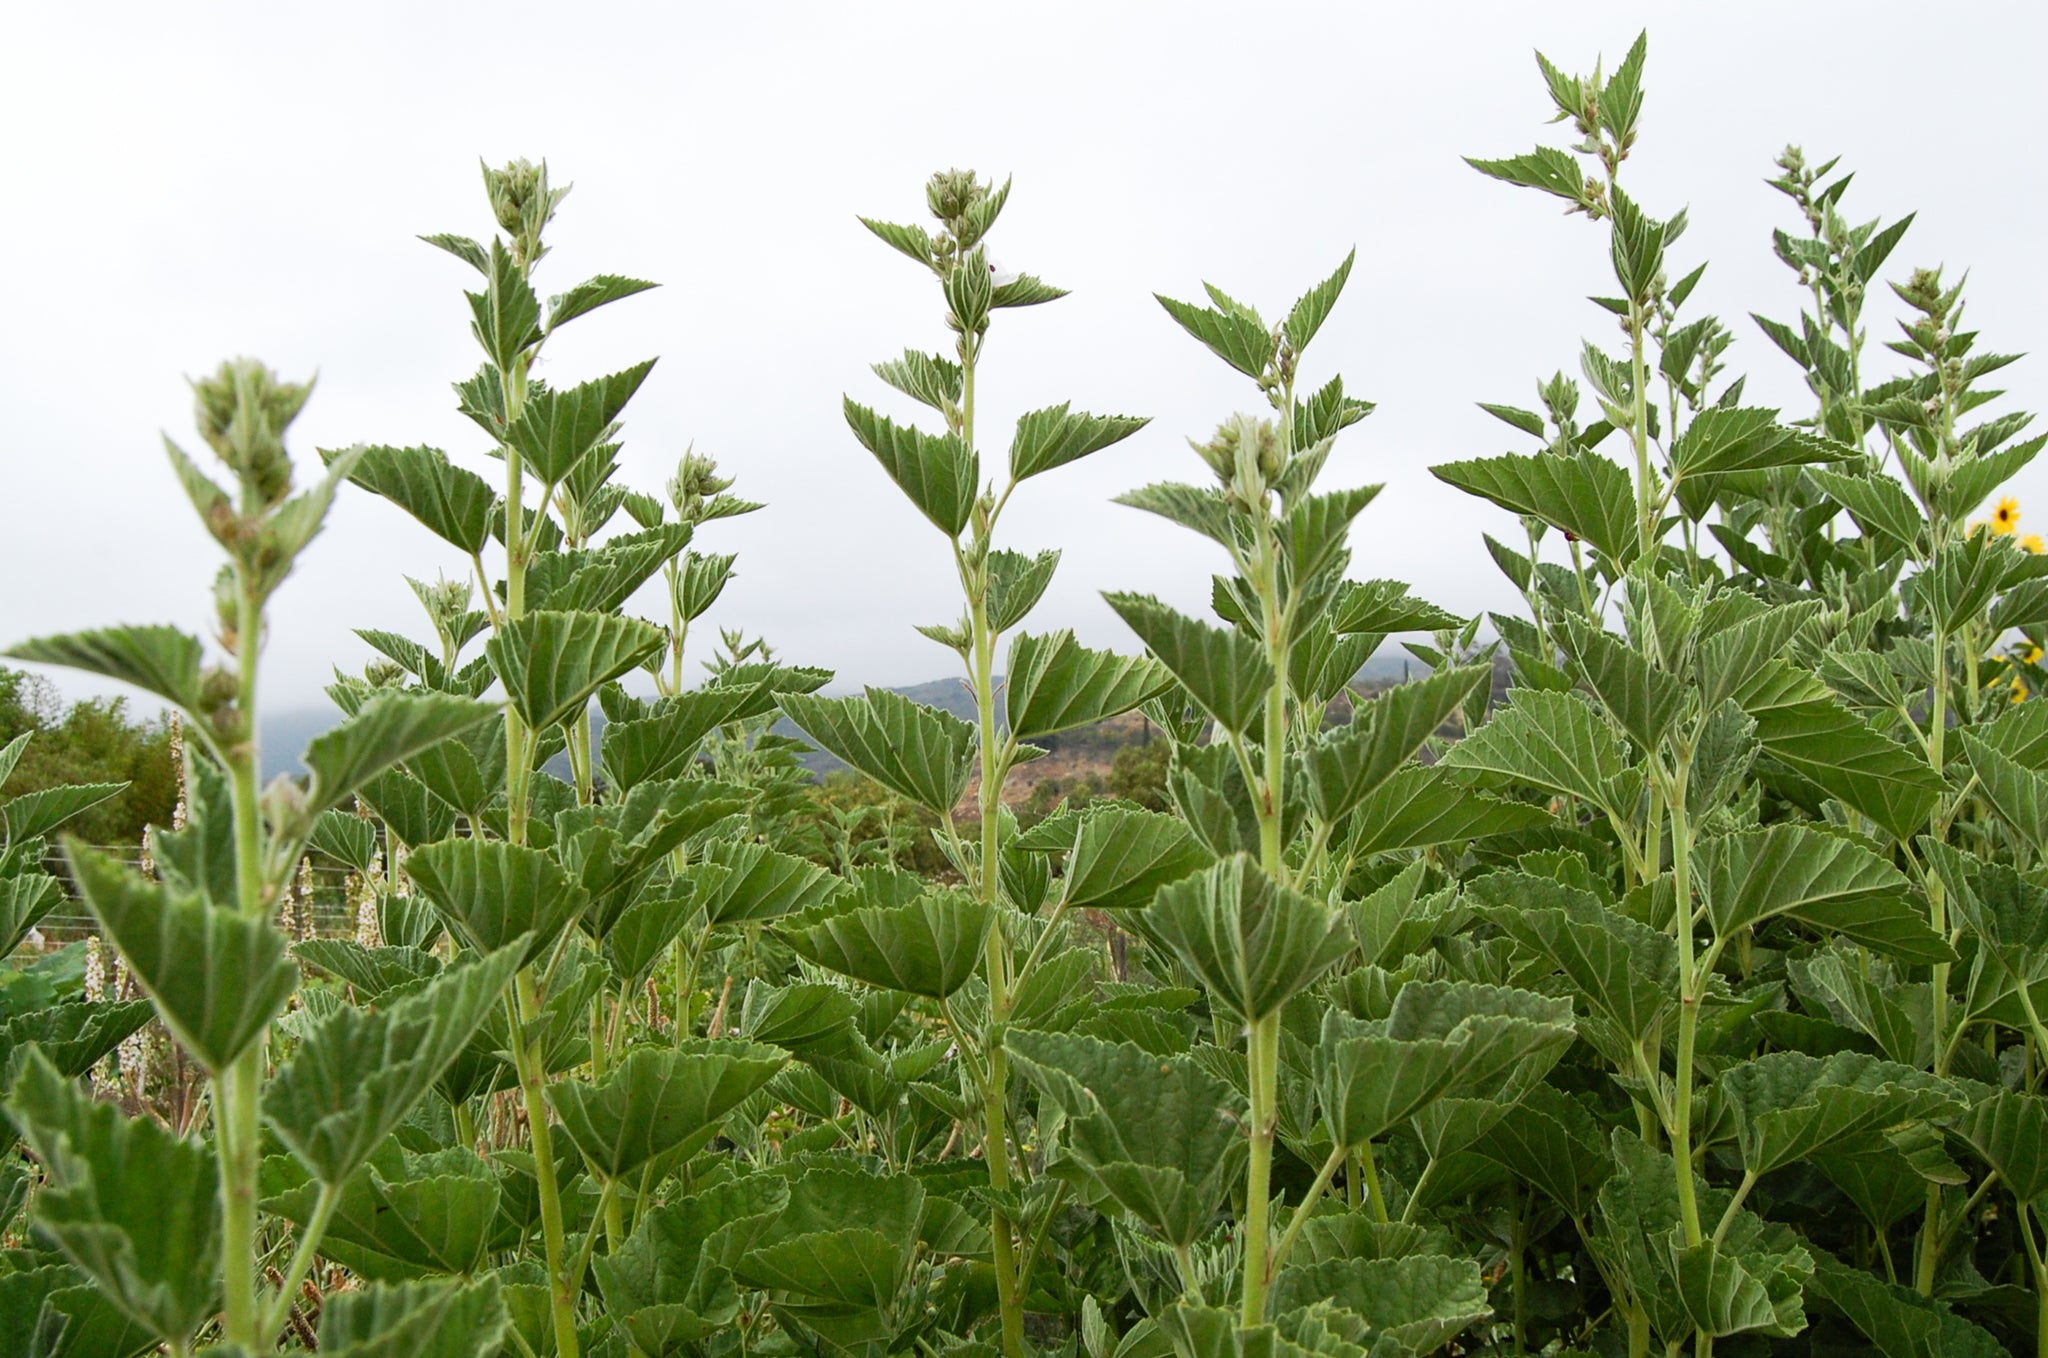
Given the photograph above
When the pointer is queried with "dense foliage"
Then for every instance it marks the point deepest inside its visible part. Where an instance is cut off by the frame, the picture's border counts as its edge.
(1683, 993)
(93, 740)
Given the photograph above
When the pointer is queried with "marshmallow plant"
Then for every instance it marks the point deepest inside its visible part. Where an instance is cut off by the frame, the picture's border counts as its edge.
(1663, 969)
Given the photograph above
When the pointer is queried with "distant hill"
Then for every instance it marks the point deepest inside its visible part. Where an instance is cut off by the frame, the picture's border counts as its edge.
(287, 732)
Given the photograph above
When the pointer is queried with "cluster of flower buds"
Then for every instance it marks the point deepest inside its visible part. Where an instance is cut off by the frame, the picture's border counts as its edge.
(1247, 456)
(243, 411)
(694, 485)
(524, 204)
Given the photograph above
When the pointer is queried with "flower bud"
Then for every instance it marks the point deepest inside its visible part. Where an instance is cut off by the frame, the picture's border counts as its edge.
(696, 480)
(243, 411)
(951, 194)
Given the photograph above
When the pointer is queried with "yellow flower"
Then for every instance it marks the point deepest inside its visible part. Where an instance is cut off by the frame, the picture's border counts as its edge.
(2006, 516)
(2019, 690)
(2030, 654)
(2032, 543)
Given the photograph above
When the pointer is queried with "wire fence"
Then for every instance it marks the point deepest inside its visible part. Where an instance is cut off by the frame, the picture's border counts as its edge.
(319, 904)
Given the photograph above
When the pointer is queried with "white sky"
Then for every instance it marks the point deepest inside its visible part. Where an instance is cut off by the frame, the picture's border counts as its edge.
(190, 182)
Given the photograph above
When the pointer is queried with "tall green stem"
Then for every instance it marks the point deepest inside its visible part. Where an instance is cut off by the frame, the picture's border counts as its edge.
(1689, 993)
(238, 1137)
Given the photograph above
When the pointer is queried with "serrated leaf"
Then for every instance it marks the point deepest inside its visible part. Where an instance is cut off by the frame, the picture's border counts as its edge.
(1585, 494)
(132, 1205)
(1157, 1133)
(939, 473)
(1345, 765)
(505, 316)
(929, 946)
(493, 894)
(1420, 1303)
(1555, 742)
(1252, 942)
(1224, 671)
(216, 977)
(1722, 439)
(359, 1072)
(760, 883)
(591, 294)
(551, 663)
(1236, 338)
(916, 751)
(32, 815)
(657, 1099)
(441, 1318)
(1053, 684)
(1419, 807)
(453, 502)
(1055, 436)
(1790, 1106)
(1120, 857)
(1383, 606)
(387, 730)
(557, 428)
(1307, 315)
(159, 660)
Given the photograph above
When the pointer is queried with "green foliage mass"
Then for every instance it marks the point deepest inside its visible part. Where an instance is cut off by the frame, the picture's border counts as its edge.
(1661, 972)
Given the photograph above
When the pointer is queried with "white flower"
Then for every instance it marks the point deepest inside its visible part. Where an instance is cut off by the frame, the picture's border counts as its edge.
(1001, 276)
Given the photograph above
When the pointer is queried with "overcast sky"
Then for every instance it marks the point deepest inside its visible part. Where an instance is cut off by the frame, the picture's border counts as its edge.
(190, 182)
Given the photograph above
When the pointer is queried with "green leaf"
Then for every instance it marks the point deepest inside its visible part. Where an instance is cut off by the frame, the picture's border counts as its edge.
(441, 1318)
(1556, 742)
(348, 839)
(939, 473)
(1055, 436)
(1547, 168)
(1307, 315)
(1728, 1290)
(1421, 1302)
(1024, 290)
(25, 901)
(1822, 879)
(1015, 585)
(400, 1216)
(33, 815)
(412, 814)
(1624, 969)
(1827, 744)
(1877, 503)
(755, 882)
(358, 1073)
(1224, 671)
(1553, 1142)
(1237, 339)
(640, 936)
(1584, 495)
(1790, 1106)
(1194, 507)
(557, 429)
(1383, 606)
(930, 946)
(591, 294)
(453, 502)
(911, 240)
(2018, 794)
(505, 316)
(2011, 1132)
(915, 751)
(1347, 764)
(659, 1098)
(72, 1036)
(1420, 807)
(1899, 1322)
(159, 660)
(1316, 528)
(493, 894)
(387, 730)
(1723, 439)
(670, 1284)
(844, 1237)
(1643, 700)
(1158, 1134)
(217, 977)
(372, 971)
(602, 579)
(1054, 684)
(664, 743)
(551, 663)
(1252, 942)
(1120, 857)
(134, 1206)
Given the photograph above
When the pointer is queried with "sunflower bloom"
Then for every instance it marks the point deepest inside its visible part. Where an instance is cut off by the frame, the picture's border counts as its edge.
(2006, 516)
(2030, 654)
(2019, 689)
(2032, 543)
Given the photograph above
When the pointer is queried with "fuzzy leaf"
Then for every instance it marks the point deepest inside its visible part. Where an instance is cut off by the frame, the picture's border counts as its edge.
(1585, 495)
(1054, 684)
(557, 429)
(1347, 764)
(657, 1099)
(1224, 671)
(493, 894)
(1252, 942)
(1055, 436)
(930, 946)
(551, 663)
(916, 751)
(217, 977)
(159, 660)
(453, 502)
(940, 474)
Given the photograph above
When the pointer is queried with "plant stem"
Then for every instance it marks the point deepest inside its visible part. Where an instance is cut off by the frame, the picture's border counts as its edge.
(1263, 1055)
(302, 1259)
(1299, 1217)
(1689, 993)
(532, 1066)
